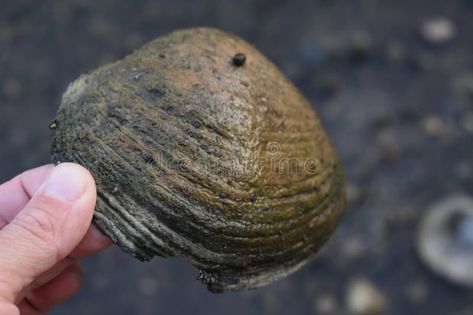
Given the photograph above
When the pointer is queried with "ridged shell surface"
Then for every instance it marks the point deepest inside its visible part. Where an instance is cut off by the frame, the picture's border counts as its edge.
(194, 156)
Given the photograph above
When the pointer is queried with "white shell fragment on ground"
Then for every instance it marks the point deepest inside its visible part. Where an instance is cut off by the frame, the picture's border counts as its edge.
(445, 239)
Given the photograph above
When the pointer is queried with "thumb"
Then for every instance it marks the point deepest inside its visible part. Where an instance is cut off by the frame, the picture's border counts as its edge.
(47, 229)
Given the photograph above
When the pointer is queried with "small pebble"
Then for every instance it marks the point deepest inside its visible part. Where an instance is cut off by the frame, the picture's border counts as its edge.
(363, 298)
(433, 125)
(438, 30)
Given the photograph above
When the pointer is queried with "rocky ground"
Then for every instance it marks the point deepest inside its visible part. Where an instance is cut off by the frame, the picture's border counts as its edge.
(392, 82)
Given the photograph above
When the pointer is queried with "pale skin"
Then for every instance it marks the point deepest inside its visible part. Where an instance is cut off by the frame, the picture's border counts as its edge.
(45, 229)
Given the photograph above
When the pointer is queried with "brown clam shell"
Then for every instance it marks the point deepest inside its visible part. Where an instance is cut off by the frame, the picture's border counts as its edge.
(205, 155)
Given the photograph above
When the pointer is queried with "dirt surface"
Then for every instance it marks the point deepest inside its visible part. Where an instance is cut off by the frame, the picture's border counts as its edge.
(392, 82)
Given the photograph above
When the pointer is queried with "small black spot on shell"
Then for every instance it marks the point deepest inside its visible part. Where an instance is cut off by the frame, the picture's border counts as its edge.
(253, 197)
(238, 60)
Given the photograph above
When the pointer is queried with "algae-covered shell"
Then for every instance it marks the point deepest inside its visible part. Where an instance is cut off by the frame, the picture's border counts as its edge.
(197, 155)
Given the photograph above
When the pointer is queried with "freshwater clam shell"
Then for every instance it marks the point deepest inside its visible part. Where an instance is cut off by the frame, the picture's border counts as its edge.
(197, 156)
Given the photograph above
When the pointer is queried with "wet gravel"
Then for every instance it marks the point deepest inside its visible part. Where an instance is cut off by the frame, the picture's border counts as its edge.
(392, 82)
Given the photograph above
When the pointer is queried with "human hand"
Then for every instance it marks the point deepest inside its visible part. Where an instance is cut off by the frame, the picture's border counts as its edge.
(45, 217)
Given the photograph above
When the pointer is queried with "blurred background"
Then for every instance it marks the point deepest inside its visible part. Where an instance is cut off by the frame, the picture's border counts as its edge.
(392, 82)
